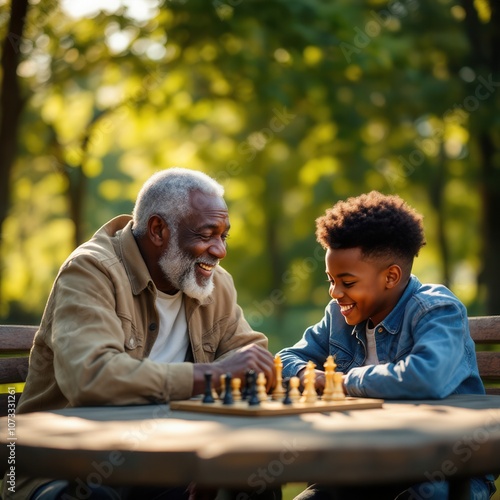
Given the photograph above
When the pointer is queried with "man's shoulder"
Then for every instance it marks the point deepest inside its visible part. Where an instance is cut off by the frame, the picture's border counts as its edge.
(102, 246)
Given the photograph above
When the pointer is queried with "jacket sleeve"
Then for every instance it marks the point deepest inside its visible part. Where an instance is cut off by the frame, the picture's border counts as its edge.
(439, 360)
(89, 341)
(313, 346)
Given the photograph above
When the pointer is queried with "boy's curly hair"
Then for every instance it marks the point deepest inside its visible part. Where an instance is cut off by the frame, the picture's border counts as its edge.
(381, 225)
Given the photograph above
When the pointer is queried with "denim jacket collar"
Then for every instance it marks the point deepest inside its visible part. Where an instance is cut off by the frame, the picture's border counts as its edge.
(392, 323)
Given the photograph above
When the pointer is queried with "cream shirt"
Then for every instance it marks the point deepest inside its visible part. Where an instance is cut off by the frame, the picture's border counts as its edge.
(172, 342)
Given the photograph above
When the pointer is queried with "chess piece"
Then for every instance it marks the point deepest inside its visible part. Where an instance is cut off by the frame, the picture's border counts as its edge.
(208, 397)
(278, 390)
(338, 391)
(287, 399)
(253, 398)
(235, 389)
(294, 391)
(329, 366)
(228, 395)
(222, 391)
(309, 395)
(245, 393)
(261, 387)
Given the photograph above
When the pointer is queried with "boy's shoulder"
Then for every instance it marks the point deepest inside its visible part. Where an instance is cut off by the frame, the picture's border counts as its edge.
(427, 296)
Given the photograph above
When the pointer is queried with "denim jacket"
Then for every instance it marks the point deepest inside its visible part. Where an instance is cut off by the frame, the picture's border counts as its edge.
(424, 348)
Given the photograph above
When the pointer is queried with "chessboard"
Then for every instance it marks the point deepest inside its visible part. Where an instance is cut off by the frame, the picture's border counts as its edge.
(275, 408)
(285, 399)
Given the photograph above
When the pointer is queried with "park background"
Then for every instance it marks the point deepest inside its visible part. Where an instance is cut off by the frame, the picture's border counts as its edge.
(290, 104)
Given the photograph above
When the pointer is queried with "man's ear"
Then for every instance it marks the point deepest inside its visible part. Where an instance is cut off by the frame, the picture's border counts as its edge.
(393, 275)
(158, 231)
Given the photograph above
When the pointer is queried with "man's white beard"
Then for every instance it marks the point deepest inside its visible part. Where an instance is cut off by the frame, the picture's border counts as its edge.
(179, 269)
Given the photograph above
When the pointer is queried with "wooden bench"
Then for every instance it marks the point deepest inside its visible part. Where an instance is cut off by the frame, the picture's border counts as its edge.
(15, 345)
(485, 331)
(16, 341)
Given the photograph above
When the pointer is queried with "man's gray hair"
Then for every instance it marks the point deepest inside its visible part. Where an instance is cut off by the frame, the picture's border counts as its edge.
(166, 193)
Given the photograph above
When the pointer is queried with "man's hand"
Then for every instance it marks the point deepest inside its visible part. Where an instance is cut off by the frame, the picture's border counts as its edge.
(250, 357)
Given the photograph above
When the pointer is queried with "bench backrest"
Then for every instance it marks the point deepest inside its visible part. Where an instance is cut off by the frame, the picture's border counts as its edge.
(485, 331)
(16, 342)
(15, 345)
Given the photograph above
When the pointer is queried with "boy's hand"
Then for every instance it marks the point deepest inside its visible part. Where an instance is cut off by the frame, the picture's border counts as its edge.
(319, 382)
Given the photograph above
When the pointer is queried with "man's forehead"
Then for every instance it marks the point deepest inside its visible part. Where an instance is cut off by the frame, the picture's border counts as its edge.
(207, 203)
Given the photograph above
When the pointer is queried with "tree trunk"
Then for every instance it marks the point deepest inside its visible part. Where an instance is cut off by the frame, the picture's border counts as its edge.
(484, 39)
(11, 105)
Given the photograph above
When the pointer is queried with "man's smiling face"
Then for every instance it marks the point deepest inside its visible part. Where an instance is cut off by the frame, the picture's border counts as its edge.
(197, 245)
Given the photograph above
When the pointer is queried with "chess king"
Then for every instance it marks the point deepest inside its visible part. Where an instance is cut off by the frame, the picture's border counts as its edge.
(139, 313)
(392, 336)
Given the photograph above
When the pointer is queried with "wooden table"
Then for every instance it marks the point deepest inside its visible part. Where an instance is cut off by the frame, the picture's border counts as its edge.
(403, 441)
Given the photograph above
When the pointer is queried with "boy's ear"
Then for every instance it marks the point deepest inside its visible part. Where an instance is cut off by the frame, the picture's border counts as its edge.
(393, 276)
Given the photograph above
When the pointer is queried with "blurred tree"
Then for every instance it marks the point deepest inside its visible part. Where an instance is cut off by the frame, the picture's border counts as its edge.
(483, 23)
(11, 105)
(291, 105)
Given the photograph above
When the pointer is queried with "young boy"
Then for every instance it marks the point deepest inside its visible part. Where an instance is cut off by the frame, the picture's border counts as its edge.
(392, 337)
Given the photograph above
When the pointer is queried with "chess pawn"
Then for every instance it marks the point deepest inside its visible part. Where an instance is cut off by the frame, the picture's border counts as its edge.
(261, 387)
(338, 391)
(235, 389)
(278, 390)
(294, 392)
(309, 395)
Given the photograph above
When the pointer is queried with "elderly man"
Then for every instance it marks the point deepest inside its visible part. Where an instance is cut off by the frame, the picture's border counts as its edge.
(140, 312)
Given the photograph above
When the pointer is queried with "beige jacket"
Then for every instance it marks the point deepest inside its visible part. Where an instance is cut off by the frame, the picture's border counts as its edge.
(100, 323)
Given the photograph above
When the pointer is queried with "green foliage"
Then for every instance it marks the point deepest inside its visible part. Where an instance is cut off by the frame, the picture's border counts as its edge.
(292, 105)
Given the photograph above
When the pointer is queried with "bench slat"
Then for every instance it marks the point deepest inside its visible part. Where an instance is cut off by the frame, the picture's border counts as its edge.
(13, 370)
(16, 337)
(485, 329)
(489, 365)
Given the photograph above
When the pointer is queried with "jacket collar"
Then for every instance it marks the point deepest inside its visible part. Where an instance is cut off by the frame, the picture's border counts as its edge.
(392, 323)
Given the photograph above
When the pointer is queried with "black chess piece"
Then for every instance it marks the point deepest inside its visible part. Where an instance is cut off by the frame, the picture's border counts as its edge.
(253, 399)
(208, 397)
(228, 395)
(245, 393)
(287, 400)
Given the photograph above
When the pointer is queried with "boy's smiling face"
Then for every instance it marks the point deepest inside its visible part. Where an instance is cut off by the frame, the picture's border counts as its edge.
(365, 288)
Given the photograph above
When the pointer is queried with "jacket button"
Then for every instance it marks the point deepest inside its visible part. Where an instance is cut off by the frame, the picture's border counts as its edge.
(380, 330)
(132, 342)
(152, 327)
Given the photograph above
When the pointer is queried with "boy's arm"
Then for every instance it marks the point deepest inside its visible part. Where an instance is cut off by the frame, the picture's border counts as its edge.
(313, 346)
(439, 361)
